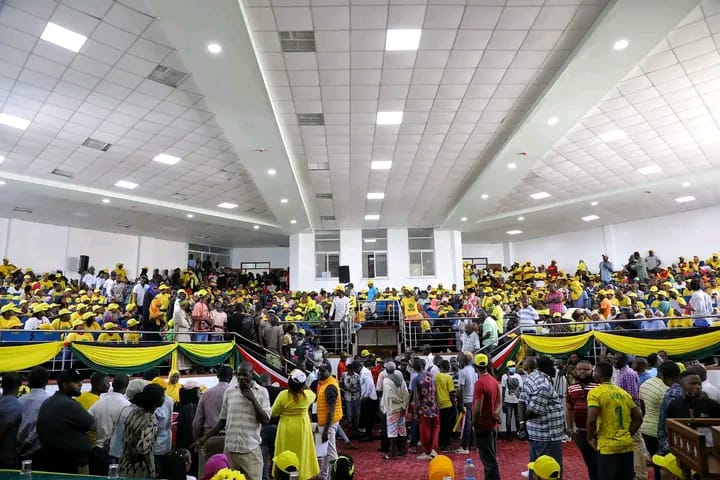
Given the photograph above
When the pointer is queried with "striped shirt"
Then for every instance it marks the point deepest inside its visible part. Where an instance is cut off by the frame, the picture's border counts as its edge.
(242, 430)
(652, 392)
(540, 398)
(629, 381)
(577, 401)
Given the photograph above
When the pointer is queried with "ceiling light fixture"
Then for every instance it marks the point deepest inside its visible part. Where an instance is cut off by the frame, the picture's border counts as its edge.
(375, 196)
(271, 171)
(514, 232)
(166, 159)
(227, 205)
(612, 136)
(520, 219)
(106, 200)
(126, 184)
(381, 165)
(13, 121)
(256, 227)
(593, 204)
(2, 182)
(403, 39)
(63, 37)
(370, 240)
(484, 196)
(463, 219)
(553, 121)
(685, 199)
(649, 169)
(540, 195)
(389, 118)
(293, 221)
(372, 216)
(621, 44)
(214, 48)
(512, 165)
(2, 159)
(589, 218)
(685, 184)
(189, 215)
(283, 200)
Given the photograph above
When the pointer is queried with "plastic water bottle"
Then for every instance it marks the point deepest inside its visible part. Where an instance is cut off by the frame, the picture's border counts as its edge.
(26, 470)
(469, 471)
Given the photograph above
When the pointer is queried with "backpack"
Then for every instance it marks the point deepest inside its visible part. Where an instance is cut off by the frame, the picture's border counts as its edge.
(513, 385)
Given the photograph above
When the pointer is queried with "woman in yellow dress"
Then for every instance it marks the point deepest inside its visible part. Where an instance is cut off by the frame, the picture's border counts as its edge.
(294, 432)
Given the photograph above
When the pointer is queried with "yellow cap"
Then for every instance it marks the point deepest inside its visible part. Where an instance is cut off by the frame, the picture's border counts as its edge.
(113, 306)
(130, 306)
(87, 315)
(97, 308)
(132, 322)
(340, 288)
(64, 311)
(481, 360)
(285, 460)
(511, 363)
(109, 326)
(77, 323)
(202, 292)
(365, 353)
(669, 463)
(163, 287)
(545, 467)
(10, 307)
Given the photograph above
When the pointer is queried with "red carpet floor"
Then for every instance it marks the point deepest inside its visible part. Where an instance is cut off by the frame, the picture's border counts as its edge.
(512, 457)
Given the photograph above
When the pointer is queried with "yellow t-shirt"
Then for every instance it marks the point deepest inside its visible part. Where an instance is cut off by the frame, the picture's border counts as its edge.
(79, 337)
(58, 324)
(12, 322)
(109, 338)
(613, 424)
(409, 306)
(87, 399)
(132, 337)
(443, 386)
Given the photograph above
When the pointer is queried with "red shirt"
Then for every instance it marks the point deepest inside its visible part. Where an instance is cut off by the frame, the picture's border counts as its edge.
(486, 389)
(342, 368)
(577, 397)
(376, 372)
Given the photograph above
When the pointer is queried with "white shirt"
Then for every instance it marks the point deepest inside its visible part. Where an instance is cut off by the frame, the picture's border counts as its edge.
(33, 322)
(367, 386)
(89, 280)
(99, 282)
(712, 391)
(340, 308)
(510, 397)
(108, 287)
(107, 412)
(139, 290)
(701, 303)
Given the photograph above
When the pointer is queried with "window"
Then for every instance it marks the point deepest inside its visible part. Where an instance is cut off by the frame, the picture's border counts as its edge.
(201, 253)
(374, 253)
(421, 243)
(327, 254)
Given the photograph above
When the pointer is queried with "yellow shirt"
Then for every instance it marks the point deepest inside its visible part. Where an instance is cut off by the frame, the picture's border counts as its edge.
(12, 322)
(58, 324)
(87, 399)
(79, 337)
(92, 326)
(613, 424)
(7, 270)
(132, 338)
(409, 306)
(680, 323)
(109, 338)
(443, 386)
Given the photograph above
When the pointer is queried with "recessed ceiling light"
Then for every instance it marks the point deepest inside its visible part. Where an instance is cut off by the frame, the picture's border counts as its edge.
(370, 240)
(63, 37)
(189, 215)
(594, 204)
(13, 121)
(685, 199)
(463, 219)
(106, 200)
(372, 216)
(126, 184)
(621, 44)
(2, 182)
(167, 159)
(256, 227)
(512, 165)
(514, 232)
(520, 219)
(540, 195)
(389, 118)
(214, 48)
(381, 165)
(271, 171)
(402, 39)
(484, 196)
(2, 159)
(590, 218)
(612, 136)
(553, 121)
(293, 222)
(649, 169)
(375, 195)
(227, 205)
(283, 200)
(686, 184)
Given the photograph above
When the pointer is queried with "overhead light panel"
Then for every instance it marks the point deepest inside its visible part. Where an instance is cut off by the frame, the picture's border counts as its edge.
(271, 171)
(227, 205)
(381, 165)
(463, 219)
(389, 118)
(373, 216)
(403, 39)
(293, 221)
(520, 219)
(370, 240)
(13, 121)
(685, 199)
(594, 204)
(649, 169)
(553, 121)
(106, 200)
(612, 136)
(63, 37)
(484, 196)
(621, 44)
(684, 184)
(589, 218)
(511, 165)
(167, 159)
(214, 48)
(256, 227)
(189, 215)
(540, 195)
(514, 232)
(375, 195)
(2, 182)
(2, 159)
(126, 184)
(283, 200)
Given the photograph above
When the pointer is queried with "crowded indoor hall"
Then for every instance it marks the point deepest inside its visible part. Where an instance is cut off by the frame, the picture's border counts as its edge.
(358, 239)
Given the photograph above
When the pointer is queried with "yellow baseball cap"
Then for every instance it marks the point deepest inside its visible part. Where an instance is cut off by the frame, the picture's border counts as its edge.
(201, 293)
(113, 306)
(163, 287)
(64, 311)
(365, 353)
(132, 322)
(77, 323)
(511, 363)
(87, 315)
(545, 467)
(285, 460)
(129, 307)
(669, 462)
(109, 326)
(10, 307)
(481, 360)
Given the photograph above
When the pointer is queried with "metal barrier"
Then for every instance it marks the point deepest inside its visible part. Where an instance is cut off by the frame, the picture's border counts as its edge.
(381, 312)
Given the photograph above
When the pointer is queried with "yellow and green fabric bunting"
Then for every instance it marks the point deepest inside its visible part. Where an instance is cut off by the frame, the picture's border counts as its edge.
(696, 346)
(22, 357)
(207, 354)
(558, 345)
(121, 358)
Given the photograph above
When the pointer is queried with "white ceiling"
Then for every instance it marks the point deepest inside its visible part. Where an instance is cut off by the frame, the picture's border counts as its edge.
(479, 90)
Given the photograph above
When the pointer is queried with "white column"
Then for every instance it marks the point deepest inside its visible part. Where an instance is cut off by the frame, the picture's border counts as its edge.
(351, 254)
(302, 261)
(448, 258)
(398, 258)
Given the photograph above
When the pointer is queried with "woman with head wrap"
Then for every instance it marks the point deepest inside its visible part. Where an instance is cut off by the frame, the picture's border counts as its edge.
(393, 404)
(116, 438)
(214, 464)
(140, 430)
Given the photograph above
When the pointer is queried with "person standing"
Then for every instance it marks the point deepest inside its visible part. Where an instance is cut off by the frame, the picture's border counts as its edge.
(652, 392)
(543, 411)
(245, 409)
(368, 401)
(351, 382)
(99, 385)
(427, 413)
(201, 317)
(606, 271)
(490, 332)
(28, 442)
(467, 376)
(701, 304)
(10, 419)
(628, 380)
(446, 401)
(576, 414)
(613, 419)
(393, 404)
(487, 404)
(106, 412)
(140, 429)
(339, 316)
(329, 413)
(182, 326)
(511, 385)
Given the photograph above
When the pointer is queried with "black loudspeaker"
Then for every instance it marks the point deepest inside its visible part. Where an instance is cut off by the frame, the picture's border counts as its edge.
(83, 264)
(344, 273)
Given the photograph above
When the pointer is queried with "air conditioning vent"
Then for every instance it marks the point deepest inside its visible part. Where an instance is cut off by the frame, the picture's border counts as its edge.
(318, 166)
(97, 144)
(62, 173)
(23, 209)
(324, 196)
(297, 41)
(168, 76)
(327, 218)
(307, 119)
(123, 225)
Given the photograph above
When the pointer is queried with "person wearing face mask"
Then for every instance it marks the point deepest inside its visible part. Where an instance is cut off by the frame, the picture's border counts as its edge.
(694, 403)
(511, 384)
(576, 414)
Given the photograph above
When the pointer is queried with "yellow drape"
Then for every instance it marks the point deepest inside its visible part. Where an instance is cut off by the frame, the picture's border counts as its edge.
(207, 349)
(646, 346)
(21, 357)
(123, 357)
(556, 345)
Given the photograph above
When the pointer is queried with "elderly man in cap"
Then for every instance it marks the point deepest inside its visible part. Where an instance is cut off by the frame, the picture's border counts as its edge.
(487, 402)
(62, 427)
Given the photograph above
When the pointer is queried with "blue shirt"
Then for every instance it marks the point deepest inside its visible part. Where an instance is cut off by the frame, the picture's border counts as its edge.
(163, 441)
(28, 441)
(372, 293)
(647, 375)
(673, 393)
(656, 324)
(10, 416)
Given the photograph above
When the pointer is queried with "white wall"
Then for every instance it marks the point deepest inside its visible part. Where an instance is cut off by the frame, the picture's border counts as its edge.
(492, 251)
(566, 248)
(47, 248)
(279, 257)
